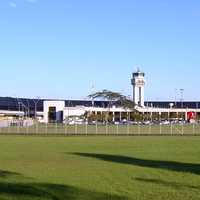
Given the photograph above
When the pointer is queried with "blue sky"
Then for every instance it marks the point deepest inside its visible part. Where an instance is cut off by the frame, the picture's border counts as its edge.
(68, 48)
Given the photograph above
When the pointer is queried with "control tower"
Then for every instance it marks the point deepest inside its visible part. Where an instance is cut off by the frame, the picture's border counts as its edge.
(138, 83)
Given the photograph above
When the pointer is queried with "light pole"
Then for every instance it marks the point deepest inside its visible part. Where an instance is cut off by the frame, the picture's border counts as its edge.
(36, 102)
(181, 92)
(23, 107)
(28, 108)
(175, 97)
(19, 109)
(181, 99)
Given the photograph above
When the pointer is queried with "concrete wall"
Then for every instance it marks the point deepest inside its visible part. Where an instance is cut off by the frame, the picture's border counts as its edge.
(74, 111)
(138, 82)
(60, 105)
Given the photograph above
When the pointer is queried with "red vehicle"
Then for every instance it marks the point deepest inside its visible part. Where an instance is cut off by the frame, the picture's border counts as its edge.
(191, 116)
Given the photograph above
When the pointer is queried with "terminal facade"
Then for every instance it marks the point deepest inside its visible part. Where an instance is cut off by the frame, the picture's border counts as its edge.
(60, 110)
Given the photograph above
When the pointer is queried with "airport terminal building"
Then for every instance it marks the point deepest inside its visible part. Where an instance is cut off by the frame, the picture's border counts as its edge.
(59, 110)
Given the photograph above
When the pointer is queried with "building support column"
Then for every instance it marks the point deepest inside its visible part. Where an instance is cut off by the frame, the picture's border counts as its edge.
(120, 116)
(186, 116)
(113, 116)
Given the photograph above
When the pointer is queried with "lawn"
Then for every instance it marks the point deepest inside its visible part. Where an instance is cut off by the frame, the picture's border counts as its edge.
(89, 168)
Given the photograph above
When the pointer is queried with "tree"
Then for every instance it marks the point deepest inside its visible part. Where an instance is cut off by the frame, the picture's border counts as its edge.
(105, 94)
(136, 116)
(92, 117)
(116, 97)
(113, 97)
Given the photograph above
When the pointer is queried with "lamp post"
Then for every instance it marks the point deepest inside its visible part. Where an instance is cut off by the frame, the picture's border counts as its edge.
(36, 102)
(181, 92)
(23, 107)
(175, 97)
(181, 100)
(19, 108)
(28, 108)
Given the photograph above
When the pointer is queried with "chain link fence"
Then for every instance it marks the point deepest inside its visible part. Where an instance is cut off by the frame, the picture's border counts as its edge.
(28, 127)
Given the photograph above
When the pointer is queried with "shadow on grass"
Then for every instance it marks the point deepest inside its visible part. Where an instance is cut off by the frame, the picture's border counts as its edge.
(52, 192)
(46, 191)
(6, 174)
(159, 164)
(167, 183)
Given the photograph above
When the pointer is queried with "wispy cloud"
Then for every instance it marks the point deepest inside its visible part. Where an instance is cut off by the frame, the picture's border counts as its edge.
(31, 1)
(12, 4)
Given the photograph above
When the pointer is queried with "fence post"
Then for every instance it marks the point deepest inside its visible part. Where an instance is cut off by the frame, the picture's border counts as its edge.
(193, 129)
(46, 127)
(76, 129)
(182, 130)
(160, 129)
(106, 128)
(86, 128)
(36, 128)
(18, 124)
(117, 129)
(8, 129)
(149, 129)
(138, 129)
(171, 128)
(65, 128)
(127, 130)
(56, 127)
(96, 128)
(27, 128)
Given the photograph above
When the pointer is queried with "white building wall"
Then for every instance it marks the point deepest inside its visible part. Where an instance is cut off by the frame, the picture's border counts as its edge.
(138, 83)
(60, 105)
(142, 96)
(80, 110)
(74, 111)
(135, 95)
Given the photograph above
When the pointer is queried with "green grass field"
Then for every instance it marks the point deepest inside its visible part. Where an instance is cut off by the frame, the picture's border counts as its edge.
(89, 168)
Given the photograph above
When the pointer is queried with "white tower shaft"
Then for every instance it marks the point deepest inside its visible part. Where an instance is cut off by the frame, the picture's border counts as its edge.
(138, 83)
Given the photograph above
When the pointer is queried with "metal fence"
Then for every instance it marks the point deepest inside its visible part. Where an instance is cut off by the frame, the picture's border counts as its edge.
(99, 129)
(9, 123)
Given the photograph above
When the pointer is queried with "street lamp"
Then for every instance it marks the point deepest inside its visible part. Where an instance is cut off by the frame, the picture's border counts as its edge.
(175, 97)
(36, 101)
(28, 107)
(181, 99)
